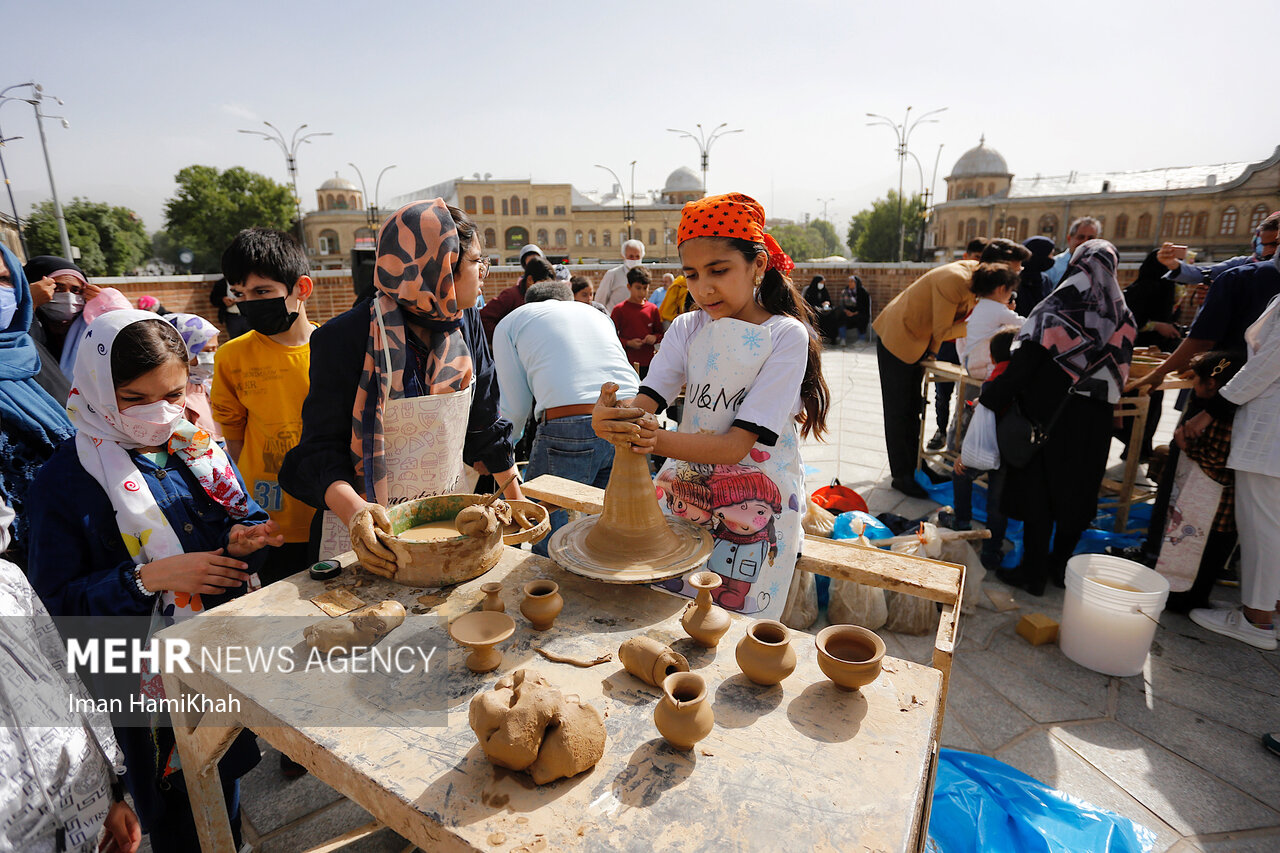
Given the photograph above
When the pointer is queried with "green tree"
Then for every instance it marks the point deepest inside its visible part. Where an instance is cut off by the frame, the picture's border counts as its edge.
(873, 232)
(830, 241)
(798, 241)
(111, 240)
(211, 207)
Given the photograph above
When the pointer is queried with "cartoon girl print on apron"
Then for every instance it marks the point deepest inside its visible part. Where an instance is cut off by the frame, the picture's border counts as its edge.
(751, 509)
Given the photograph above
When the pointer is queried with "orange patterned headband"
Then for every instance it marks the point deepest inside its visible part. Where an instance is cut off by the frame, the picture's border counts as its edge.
(731, 215)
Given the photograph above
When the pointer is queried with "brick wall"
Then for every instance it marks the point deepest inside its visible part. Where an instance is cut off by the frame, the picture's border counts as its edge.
(334, 293)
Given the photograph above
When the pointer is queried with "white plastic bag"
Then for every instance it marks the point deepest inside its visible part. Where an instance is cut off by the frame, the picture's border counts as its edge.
(980, 451)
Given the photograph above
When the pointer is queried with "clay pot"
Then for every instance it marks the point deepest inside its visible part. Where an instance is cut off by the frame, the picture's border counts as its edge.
(683, 715)
(481, 631)
(650, 661)
(492, 598)
(542, 603)
(703, 619)
(765, 654)
(849, 655)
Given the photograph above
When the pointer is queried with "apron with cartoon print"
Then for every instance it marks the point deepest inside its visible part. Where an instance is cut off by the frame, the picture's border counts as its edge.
(751, 509)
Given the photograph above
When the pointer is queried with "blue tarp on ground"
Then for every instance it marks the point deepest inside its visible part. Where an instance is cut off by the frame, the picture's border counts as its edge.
(981, 805)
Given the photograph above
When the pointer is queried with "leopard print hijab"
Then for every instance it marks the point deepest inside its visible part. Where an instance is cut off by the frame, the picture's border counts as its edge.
(417, 249)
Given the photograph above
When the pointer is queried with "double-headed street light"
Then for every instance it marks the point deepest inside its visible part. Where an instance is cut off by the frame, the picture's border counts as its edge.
(628, 202)
(290, 151)
(373, 215)
(37, 96)
(704, 143)
(903, 134)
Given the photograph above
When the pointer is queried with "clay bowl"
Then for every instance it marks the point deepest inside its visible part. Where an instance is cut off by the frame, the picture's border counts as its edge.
(849, 655)
(458, 558)
(481, 631)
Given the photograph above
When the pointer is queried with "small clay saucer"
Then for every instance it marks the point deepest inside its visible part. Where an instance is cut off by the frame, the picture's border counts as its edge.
(481, 631)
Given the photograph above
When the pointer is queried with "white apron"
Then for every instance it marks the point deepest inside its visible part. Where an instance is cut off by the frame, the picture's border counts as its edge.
(752, 509)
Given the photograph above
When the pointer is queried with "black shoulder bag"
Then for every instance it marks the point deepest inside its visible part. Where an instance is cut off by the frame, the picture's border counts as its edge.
(1020, 437)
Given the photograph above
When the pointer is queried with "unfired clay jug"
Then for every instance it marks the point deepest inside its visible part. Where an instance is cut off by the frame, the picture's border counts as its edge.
(492, 597)
(650, 661)
(683, 715)
(542, 603)
(765, 654)
(849, 655)
(703, 619)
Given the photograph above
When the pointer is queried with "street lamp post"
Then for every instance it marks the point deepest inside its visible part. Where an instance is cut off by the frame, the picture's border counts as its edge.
(37, 96)
(823, 202)
(628, 205)
(290, 151)
(903, 134)
(22, 238)
(372, 209)
(704, 144)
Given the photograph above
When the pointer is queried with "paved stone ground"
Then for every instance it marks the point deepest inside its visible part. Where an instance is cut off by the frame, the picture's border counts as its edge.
(1175, 749)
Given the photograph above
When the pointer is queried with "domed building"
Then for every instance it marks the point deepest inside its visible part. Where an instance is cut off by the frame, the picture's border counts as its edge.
(1213, 209)
(339, 224)
(683, 185)
(338, 193)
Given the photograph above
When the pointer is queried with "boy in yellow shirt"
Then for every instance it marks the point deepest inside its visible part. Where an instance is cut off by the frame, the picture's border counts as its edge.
(261, 378)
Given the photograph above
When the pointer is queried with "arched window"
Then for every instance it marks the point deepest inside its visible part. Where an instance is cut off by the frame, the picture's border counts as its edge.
(486, 204)
(591, 237)
(1229, 218)
(1048, 225)
(606, 237)
(991, 189)
(1022, 229)
(622, 237)
(671, 236)
(515, 205)
(1202, 224)
(542, 237)
(577, 238)
(1144, 226)
(524, 207)
(653, 236)
(1121, 227)
(1166, 226)
(516, 237)
(943, 235)
(506, 208)
(982, 228)
(329, 242)
(1184, 224)
(1259, 214)
(970, 229)
(469, 204)
(562, 238)
(490, 238)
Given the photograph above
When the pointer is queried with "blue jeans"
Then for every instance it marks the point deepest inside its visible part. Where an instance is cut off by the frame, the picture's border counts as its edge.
(569, 448)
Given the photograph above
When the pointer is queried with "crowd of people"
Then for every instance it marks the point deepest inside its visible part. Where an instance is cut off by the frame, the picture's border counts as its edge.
(201, 470)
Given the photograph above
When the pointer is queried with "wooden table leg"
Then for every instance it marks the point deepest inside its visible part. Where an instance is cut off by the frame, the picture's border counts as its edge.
(1133, 458)
(200, 748)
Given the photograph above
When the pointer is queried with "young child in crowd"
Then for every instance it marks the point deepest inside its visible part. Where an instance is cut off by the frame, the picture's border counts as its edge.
(201, 338)
(962, 478)
(751, 363)
(261, 378)
(637, 320)
(1204, 436)
(159, 527)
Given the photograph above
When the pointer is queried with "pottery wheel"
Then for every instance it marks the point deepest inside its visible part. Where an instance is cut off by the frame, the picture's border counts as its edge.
(568, 549)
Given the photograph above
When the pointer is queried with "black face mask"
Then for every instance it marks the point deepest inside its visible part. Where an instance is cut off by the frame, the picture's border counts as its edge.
(267, 316)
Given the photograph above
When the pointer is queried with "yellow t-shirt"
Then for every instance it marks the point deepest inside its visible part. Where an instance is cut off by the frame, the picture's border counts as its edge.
(258, 389)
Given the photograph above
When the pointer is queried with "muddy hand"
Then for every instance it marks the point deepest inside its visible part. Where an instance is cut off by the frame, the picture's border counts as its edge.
(523, 517)
(614, 423)
(373, 554)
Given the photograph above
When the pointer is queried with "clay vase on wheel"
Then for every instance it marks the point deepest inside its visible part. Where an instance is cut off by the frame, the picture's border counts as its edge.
(765, 654)
(683, 714)
(703, 619)
(542, 603)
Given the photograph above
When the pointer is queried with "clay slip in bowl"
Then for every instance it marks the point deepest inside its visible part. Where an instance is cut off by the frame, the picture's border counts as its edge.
(849, 655)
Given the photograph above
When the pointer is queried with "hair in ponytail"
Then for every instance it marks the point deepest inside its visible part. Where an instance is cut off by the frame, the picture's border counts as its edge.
(778, 295)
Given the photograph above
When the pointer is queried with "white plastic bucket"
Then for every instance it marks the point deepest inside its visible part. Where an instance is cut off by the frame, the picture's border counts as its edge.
(1105, 627)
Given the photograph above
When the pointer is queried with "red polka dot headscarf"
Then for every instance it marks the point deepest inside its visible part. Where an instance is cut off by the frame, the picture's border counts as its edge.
(731, 215)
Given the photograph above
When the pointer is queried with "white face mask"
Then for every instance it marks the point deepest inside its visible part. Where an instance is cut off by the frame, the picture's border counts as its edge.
(630, 264)
(64, 306)
(152, 424)
(201, 374)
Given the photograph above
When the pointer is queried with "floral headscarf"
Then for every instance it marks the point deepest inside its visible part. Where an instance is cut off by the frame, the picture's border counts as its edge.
(417, 250)
(196, 331)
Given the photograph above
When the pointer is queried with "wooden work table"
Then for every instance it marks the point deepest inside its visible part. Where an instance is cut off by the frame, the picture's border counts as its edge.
(802, 765)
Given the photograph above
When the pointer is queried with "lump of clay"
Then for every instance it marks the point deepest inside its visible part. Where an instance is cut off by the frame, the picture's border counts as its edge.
(364, 627)
(478, 522)
(525, 723)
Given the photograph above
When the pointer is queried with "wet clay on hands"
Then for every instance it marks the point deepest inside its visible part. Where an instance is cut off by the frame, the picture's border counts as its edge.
(370, 529)
(362, 628)
(525, 723)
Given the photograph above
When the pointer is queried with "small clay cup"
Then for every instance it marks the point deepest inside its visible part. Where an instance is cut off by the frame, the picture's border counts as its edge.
(703, 619)
(849, 655)
(481, 631)
(542, 603)
(492, 598)
(765, 654)
(683, 715)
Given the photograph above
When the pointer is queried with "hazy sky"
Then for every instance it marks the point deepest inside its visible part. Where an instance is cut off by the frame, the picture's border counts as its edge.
(547, 90)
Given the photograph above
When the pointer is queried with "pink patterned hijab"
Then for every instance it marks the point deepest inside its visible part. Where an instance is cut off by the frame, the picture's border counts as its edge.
(417, 250)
